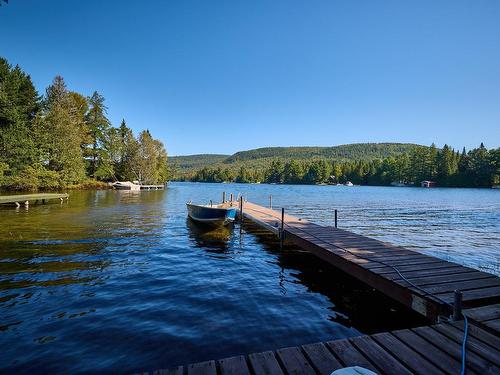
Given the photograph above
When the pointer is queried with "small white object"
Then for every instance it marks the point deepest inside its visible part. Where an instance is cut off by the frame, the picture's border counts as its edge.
(355, 370)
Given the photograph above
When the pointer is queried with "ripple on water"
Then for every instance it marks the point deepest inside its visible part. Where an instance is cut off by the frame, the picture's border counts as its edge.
(122, 282)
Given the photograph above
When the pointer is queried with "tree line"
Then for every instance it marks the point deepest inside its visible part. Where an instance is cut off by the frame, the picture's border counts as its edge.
(478, 167)
(64, 139)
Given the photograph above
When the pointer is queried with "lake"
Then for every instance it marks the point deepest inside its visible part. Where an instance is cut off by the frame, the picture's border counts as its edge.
(119, 281)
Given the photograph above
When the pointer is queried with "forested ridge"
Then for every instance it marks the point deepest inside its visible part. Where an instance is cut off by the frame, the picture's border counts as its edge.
(64, 139)
(363, 164)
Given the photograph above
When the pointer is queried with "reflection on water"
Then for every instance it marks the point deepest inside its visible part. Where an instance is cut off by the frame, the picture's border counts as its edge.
(209, 238)
(121, 281)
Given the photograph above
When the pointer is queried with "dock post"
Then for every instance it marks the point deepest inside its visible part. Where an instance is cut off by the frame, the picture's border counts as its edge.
(223, 197)
(241, 208)
(231, 197)
(282, 233)
(270, 202)
(335, 218)
(457, 305)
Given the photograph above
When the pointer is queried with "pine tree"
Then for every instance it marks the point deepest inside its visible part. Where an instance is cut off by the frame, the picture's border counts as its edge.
(62, 126)
(19, 105)
(98, 126)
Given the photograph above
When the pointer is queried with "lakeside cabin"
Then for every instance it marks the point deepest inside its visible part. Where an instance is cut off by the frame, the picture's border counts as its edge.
(428, 184)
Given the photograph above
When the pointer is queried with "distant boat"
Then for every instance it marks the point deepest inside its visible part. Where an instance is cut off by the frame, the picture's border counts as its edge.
(428, 184)
(126, 185)
(213, 215)
(349, 183)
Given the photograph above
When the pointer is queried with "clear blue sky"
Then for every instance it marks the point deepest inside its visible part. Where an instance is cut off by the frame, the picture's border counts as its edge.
(222, 76)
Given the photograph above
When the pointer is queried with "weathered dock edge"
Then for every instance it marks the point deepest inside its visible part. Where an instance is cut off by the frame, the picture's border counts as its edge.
(424, 350)
(26, 198)
(433, 281)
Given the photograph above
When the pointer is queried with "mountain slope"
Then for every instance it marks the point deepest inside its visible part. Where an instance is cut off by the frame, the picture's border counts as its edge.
(257, 158)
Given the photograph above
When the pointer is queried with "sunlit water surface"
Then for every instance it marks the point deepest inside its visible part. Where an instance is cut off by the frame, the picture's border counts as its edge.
(122, 281)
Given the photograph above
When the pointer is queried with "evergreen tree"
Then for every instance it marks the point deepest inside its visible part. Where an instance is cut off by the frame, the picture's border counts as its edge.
(62, 126)
(19, 104)
(98, 126)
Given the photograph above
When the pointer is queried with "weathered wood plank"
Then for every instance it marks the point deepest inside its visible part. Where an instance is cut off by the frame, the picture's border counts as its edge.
(480, 334)
(433, 354)
(349, 355)
(234, 366)
(473, 344)
(202, 368)
(379, 356)
(484, 313)
(170, 371)
(486, 294)
(321, 358)
(454, 349)
(265, 364)
(464, 286)
(444, 279)
(405, 354)
(294, 361)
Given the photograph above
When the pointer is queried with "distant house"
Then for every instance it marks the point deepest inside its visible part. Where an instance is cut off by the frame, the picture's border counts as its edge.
(428, 184)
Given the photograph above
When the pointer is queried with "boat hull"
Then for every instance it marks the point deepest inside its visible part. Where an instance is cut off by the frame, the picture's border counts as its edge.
(126, 186)
(212, 216)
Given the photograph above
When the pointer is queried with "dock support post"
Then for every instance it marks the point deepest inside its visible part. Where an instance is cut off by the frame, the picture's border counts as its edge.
(282, 229)
(457, 305)
(241, 208)
(335, 218)
(231, 197)
(223, 197)
(270, 202)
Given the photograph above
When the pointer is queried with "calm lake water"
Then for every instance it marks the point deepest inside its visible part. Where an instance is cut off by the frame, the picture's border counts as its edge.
(121, 281)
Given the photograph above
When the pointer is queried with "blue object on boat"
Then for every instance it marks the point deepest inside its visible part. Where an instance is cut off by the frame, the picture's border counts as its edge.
(213, 215)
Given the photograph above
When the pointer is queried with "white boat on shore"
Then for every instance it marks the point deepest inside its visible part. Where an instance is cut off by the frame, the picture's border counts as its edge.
(126, 185)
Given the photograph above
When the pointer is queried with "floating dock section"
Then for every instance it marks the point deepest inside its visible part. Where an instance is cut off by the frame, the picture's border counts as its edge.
(429, 350)
(423, 283)
(33, 198)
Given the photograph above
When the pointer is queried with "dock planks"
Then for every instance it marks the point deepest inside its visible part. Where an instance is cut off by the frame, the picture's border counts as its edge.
(425, 350)
(373, 261)
(21, 198)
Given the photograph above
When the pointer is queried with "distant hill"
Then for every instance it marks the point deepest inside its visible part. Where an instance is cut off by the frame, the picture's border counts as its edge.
(350, 151)
(196, 161)
(184, 165)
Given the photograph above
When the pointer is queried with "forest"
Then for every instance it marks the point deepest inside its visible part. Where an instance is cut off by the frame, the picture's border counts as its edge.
(478, 167)
(63, 139)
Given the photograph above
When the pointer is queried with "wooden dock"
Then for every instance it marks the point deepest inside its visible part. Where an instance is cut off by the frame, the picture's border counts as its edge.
(27, 198)
(425, 350)
(432, 281)
(152, 187)
(420, 282)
